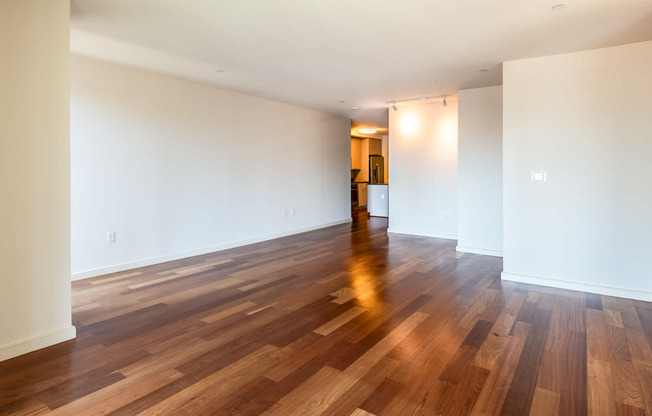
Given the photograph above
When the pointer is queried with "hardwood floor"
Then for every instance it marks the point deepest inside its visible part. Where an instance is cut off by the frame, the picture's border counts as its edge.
(339, 321)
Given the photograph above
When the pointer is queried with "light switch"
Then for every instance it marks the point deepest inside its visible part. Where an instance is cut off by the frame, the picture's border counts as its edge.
(539, 176)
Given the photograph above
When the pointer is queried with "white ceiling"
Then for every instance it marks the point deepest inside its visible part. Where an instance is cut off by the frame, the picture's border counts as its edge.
(315, 53)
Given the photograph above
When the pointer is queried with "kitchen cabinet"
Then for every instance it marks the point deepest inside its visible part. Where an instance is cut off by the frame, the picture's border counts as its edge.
(375, 147)
(363, 175)
(362, 194)
(356, 159)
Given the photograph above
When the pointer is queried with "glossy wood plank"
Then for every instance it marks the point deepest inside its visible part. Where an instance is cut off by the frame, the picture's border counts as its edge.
(381, 396)
(345, 320)
(545, 403)
(492, 396)
(206, 395)
(600, 398)
(521, 391)
(363, 388)
(360, 412)
(335, 323)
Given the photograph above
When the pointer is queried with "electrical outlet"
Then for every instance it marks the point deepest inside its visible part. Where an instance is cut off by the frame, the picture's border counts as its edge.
(538, 176)
(110, 237)
(441, 214)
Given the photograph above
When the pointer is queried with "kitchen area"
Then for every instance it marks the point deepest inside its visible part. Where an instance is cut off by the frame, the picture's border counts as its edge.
(369, 189)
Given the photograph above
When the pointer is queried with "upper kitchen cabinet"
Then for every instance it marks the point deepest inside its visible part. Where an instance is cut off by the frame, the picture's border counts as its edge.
(355, 154)
(375, 147)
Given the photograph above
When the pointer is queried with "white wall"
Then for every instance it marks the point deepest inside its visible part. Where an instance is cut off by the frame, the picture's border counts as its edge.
(34, 176)
(480, 171)
(586, 119)
(423, 170)
(178, 168)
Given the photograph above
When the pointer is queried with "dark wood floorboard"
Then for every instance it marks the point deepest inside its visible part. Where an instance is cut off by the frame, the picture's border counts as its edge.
(345, 320)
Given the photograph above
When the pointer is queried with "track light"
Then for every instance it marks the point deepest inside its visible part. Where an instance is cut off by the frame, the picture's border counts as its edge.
(393, 103)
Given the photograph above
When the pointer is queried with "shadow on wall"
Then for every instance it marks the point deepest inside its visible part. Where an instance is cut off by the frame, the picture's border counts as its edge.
(643, 27)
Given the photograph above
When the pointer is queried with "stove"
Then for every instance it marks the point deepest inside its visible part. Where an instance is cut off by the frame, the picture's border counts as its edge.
(354, 194)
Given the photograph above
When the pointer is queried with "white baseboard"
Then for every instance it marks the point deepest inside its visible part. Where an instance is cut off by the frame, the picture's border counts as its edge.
(582, 287)
(197, 252)
(421, 233)
(482, 251)
(36, 343)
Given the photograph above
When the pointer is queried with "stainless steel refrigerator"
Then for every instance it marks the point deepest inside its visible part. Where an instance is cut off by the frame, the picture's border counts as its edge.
(376, 169)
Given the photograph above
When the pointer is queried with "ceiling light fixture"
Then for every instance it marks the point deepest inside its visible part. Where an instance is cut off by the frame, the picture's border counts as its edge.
(366, 131)
(558, 7)
(355, 108)
(418, 99)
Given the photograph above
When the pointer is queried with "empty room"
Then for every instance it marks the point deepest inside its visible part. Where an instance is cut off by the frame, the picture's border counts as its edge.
(325, 208)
